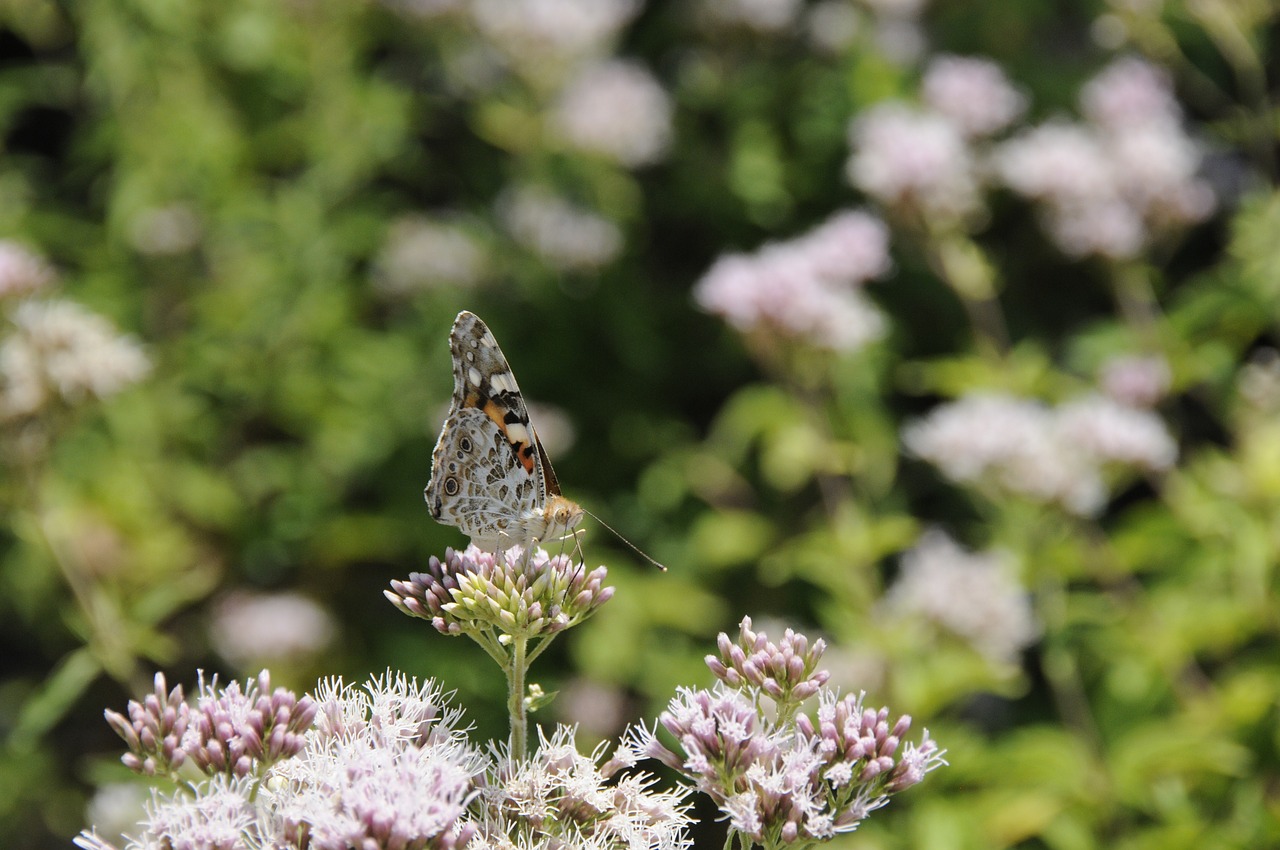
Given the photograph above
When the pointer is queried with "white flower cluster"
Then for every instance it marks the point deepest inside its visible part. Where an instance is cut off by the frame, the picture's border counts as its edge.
(59, 350)
(806, 288)
(1126, 174)
(559, 798)
(566, 236)
(923, 159)
(424, 253)
(972, 595)
(616, 109)
(1052, 455)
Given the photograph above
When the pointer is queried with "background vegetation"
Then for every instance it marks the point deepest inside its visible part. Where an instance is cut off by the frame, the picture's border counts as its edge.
(284, 204)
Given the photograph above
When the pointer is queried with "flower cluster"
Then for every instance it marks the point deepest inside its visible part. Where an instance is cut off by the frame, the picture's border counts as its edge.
(786, 671)
(382, 767)
(229, 730)
(1110, 184)
(971, 595)
(789, 778)
(559, 797)
(1051, 455)
(806, 288)
(60, 351)
(511, 594)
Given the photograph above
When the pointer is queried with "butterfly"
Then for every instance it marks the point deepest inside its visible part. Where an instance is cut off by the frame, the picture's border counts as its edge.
(490, 476)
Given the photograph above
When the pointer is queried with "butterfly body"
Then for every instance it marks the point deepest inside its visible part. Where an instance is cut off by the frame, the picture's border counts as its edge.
(490, 476)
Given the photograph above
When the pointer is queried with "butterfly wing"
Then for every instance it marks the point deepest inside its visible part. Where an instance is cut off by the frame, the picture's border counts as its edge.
(488, 470)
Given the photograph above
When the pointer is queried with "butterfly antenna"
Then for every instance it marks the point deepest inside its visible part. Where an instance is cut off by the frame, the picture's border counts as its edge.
(633, 547)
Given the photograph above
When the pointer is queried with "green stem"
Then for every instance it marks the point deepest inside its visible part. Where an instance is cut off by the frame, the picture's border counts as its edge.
(515, 698)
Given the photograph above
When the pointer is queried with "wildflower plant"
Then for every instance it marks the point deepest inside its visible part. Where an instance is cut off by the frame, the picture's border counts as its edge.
(510, 604)
(390, 766)
(784, 777)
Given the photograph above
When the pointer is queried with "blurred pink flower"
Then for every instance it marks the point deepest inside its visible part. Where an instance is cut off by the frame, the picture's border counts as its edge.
(805, 288)
(907, 158)
(974, 93)
(22, 271)
(1136, 381)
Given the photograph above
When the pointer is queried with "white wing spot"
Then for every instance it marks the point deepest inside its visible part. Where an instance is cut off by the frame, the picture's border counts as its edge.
(473, 375)
(503, 382)
(517, 433)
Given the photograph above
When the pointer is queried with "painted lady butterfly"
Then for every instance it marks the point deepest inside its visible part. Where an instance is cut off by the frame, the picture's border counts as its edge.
(489, 474)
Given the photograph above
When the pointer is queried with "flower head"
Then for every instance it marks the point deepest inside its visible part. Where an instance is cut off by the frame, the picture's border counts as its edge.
(236, 731)
(559, 796)
(786, 671)
(508, 593)
(154, 730)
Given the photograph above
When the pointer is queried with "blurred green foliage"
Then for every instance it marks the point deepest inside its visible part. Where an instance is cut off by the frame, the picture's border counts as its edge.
(222, 179)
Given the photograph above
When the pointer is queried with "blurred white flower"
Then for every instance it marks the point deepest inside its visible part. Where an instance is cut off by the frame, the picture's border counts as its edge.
(60, 350)
(424, 253)
(530, 32)
(1136, 381)
(805, 288)
(1008, 443)
(259, 628)
(166, 230)
(896, 8)
(117, 808)
(972, 595)
(1109, 185)
(22, 271)
(833, 25)
(913, 159)
(618, 109)
(1048, 455)
(566, 236)
(1063, 164)
(974, 93)
(594, 708)
(767, 16)
(1111, 432)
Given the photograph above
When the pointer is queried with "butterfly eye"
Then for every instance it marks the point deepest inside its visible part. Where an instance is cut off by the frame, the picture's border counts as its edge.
(465, 444)
(451, 486)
